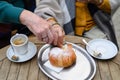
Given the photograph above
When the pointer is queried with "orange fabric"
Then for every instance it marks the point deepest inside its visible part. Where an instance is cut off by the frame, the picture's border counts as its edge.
(105, 6)
(80, 14)
(84, 21)
(79, 30)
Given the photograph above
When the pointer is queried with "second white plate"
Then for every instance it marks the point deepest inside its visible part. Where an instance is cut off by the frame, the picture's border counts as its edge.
(107, 48)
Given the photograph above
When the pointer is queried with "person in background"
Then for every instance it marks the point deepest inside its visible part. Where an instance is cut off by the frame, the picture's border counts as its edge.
(20, 12)
(74, 15)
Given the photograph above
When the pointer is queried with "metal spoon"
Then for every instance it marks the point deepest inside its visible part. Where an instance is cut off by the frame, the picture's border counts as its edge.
(14, 57)
(95, 53)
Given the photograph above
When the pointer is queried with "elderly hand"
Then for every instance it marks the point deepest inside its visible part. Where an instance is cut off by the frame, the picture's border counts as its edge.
(39, 26)
(57, 31)
(58, 34)
(43, 30)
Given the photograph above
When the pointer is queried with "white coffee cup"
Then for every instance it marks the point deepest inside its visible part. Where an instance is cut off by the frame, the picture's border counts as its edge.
(19, 43)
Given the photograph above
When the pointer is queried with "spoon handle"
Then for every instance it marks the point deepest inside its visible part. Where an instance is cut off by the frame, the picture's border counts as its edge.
(96, 53)
(14, 57)
(85, 42)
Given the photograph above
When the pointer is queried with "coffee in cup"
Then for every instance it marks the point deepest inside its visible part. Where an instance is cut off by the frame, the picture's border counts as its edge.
(19, 43)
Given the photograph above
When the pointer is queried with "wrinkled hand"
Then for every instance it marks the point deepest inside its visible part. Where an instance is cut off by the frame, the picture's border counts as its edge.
(42, 29)
(58, 34)
(37, 25)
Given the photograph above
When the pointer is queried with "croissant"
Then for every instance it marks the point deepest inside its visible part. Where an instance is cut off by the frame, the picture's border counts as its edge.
(62, 57)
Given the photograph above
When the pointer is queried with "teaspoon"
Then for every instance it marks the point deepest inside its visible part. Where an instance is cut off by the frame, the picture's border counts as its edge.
(95, 53)
(14, 57)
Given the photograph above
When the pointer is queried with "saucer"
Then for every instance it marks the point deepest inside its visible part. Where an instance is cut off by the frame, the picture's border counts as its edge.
(23, 57)
(107, 48)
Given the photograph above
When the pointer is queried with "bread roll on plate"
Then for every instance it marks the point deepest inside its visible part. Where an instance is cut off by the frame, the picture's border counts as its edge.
(62, 57)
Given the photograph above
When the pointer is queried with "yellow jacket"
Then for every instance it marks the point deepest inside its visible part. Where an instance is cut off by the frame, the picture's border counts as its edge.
(84, 21)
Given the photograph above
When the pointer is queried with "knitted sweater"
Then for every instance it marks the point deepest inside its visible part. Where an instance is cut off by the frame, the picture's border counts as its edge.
(10, 10)
(9, 13)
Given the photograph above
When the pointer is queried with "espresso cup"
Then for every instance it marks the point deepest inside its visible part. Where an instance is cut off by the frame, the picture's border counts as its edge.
(19, 43)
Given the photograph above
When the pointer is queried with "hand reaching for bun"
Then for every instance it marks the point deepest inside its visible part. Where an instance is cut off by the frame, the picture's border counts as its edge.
(62, 57)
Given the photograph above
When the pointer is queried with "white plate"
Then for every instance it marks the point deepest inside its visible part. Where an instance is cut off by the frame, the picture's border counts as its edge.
(107, 48)
(22, 58)
(83, 69)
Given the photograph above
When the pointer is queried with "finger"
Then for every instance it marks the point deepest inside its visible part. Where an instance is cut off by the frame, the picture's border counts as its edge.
(61, 35)
(45, 39)
(40, 34)
(55, 38)
(39, 37)
(50, 36)
(55, 30)
(44, 35)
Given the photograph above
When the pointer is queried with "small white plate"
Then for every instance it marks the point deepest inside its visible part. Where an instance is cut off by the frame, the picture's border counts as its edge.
(22, 58)
(107, 48)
